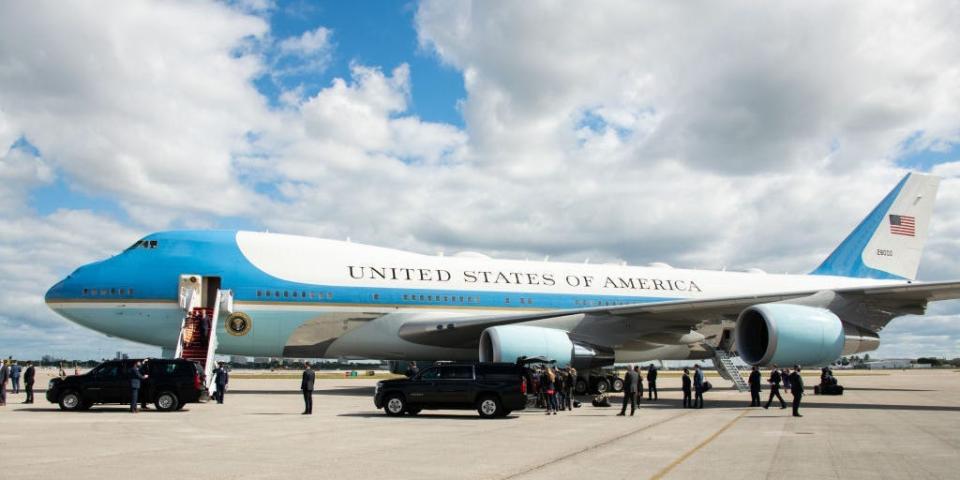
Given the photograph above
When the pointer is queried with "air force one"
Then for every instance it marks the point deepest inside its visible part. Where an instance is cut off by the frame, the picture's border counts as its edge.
(196, 293)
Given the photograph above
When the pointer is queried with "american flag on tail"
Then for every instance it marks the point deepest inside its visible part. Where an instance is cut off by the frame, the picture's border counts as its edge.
(903, 225)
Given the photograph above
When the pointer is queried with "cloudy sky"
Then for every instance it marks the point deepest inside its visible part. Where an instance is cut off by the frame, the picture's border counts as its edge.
(701, 134)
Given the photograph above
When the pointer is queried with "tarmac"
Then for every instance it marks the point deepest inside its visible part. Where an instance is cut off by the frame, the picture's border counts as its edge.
(893, 424)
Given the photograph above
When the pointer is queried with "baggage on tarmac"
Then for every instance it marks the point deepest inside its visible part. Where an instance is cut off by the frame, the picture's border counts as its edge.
(828, 389)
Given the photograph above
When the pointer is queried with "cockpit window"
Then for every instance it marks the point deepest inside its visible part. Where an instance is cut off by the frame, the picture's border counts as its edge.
(149, 244)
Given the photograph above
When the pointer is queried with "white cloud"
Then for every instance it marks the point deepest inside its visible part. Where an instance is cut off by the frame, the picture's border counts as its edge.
(147, 102)
(309, 43)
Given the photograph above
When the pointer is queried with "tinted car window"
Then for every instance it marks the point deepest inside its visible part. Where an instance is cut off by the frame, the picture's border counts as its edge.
(109, 371)
(430, 374)
(457, 372)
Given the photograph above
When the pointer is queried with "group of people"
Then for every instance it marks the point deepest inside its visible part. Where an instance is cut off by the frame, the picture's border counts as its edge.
(553, 387)
(633, 387)
(10, 371)
(791, 381)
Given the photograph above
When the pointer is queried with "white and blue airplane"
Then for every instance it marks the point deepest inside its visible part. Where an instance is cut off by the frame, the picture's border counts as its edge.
(293, 296)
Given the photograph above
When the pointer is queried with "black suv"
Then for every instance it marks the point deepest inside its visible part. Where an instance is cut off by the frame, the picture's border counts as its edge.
(171, 385)
(493, 389)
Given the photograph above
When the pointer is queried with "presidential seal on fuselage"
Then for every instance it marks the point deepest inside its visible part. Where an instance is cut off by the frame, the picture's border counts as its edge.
(238, 324)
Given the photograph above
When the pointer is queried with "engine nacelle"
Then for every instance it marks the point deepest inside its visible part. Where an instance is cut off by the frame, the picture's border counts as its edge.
(508, 342)
(785, 334)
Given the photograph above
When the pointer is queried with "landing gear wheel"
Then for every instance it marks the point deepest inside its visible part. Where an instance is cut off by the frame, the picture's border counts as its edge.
(70, 401)
(167, 401)
(602, 386)
(581, 387)
(395, 405)
(489, 407)
(617, 384)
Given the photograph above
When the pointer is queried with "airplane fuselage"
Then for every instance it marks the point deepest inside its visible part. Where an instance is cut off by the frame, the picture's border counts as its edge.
(315, 298)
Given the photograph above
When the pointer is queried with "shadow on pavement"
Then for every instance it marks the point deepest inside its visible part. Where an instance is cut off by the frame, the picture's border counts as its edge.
(342, 391)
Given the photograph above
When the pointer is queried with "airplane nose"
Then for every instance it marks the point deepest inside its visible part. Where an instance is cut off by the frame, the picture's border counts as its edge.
(55, 292)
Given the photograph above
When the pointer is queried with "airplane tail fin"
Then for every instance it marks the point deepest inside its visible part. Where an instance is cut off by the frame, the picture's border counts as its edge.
(888, 243)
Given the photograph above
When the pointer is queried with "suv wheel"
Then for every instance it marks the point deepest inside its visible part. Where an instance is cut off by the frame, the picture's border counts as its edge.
(167, 401)
(71, 401)
(617, 384)
(489, 407)
(395, 405)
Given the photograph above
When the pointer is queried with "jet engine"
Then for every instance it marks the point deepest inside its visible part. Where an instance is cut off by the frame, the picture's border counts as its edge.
(786, 334)
(508, 342)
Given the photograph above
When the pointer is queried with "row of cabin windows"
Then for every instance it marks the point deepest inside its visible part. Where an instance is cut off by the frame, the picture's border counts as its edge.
(436, 298)
(295, 294)
(107, 291)
(601, 303)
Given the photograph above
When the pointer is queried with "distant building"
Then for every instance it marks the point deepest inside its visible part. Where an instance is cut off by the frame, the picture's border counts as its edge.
(239, 360)
(890, 363)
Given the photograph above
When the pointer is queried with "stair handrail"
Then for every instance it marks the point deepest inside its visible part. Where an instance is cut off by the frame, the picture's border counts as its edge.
(212, 339)
(183, 324)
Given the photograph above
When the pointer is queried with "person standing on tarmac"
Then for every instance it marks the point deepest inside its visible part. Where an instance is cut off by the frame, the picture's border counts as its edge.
(548, 387)
(4, 374)
(774, 381)
(306, 385)
(15, 376)
(631, 381)
(652, 393)
(221, 378)
(136, 376)
(639, 384)
(569, 382)
(698, 386)
(754, 382)
(412, 370)
(686, 389)
(796, 388)
(28, 378)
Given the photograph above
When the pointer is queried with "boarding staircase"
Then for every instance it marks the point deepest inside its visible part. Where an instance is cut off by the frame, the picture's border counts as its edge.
(198, 331)
(729, 370)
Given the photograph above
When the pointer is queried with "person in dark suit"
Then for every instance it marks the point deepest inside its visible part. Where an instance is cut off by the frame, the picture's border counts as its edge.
(754, 382)
(306, 385)
(221, 378)
(796, 388)
(412, 370)
(4, 375)
(698, 386)
(652, 393)
(774, 381)
(136, 376)
(686, 389)
(631, 382)
(28, 379)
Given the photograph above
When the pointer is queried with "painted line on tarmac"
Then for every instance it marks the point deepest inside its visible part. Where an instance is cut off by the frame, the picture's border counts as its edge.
(568, 455)
(693, 450)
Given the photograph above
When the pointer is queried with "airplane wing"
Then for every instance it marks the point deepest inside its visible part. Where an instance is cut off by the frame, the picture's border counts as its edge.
(872, 306)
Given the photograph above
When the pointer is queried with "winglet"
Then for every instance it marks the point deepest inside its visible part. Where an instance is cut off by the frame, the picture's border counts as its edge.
(888, 243)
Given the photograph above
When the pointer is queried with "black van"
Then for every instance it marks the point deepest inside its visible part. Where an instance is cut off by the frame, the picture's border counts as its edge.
(493, 389)
(172, 383)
